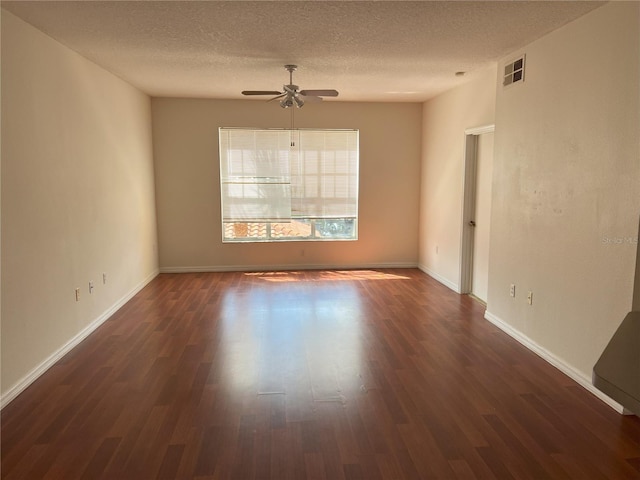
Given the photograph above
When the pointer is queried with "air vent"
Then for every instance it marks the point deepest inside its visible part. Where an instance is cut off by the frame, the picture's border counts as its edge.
(514, 72)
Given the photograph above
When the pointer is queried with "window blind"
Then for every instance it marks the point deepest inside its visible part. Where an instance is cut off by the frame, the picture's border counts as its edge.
(324, 174)
(264, 178)
(255, 180)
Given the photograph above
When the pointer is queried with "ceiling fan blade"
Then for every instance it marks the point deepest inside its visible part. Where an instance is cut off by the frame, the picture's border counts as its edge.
(275, 98)
(320, 93)
(261, 92)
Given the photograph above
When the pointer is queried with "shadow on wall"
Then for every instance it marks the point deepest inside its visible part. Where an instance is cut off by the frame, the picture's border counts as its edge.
(617, 371)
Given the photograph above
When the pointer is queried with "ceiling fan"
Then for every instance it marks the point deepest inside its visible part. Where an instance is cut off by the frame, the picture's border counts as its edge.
(290, 95)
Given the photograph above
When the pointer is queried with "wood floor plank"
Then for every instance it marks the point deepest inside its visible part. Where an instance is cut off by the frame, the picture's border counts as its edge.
(362, 374)
(170, 462)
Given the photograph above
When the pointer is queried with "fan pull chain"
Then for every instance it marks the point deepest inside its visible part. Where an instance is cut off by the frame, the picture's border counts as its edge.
(293, 139)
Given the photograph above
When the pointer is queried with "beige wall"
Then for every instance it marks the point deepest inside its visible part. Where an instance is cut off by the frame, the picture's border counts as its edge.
(566, 187)
(77, 198)
(185, 133)
(444, 121)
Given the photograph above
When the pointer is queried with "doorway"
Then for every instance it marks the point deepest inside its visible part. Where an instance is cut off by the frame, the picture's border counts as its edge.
(476, 216)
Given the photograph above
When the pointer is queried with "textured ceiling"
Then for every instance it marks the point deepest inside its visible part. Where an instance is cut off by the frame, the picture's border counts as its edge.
(369, 51)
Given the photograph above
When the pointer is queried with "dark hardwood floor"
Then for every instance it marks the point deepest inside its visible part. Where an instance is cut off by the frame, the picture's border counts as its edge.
(309, 375)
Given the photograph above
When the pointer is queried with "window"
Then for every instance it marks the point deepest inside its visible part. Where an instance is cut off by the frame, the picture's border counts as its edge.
(284, 185)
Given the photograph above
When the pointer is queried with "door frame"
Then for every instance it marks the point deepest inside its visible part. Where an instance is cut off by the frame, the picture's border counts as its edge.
(469, 203)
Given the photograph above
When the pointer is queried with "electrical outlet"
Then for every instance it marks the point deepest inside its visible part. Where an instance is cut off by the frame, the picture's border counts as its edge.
(104, 278)
(512, 290)
(90, 287)
(530, 298)
(77, 294)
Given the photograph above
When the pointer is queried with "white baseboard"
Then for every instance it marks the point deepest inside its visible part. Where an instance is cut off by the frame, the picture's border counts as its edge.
(33, 375)
(557, 362)
(283, 267)
(447, 283)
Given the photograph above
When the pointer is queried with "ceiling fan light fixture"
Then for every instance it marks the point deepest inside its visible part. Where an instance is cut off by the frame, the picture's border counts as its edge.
(286, 102)
(298, 101)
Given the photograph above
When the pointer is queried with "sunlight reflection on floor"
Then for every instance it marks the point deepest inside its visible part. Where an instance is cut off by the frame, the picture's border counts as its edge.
(332, 275)
(300, 340)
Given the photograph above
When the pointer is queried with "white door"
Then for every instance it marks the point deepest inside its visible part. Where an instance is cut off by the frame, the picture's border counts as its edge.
(480, 264)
